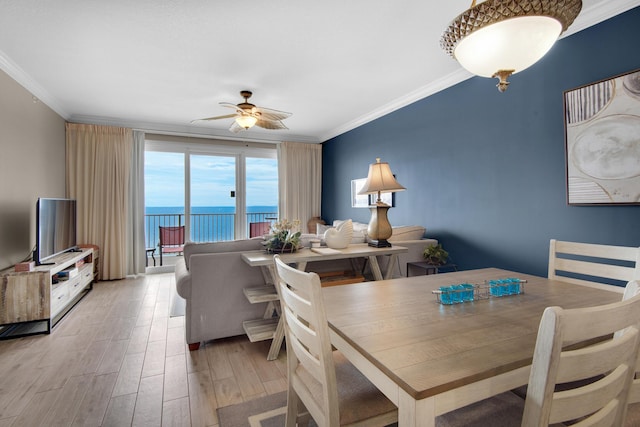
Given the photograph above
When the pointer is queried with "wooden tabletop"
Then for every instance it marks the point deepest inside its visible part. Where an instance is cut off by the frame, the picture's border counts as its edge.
(260, 258)
(428, 348)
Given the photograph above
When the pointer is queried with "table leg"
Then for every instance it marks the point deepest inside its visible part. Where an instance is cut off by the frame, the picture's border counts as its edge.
(375, 267)
(393, 261)
(276, 343)
(415, 413)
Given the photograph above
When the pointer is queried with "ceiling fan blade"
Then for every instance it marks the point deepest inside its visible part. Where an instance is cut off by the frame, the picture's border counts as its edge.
(235, 127)
(230, 105)
(270, 114)
(270, 124)
(227, 116)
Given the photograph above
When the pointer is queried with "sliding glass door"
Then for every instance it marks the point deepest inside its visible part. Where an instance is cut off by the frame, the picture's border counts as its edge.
(213, 197)
(216, 192)
(261, 194)
(164, 190)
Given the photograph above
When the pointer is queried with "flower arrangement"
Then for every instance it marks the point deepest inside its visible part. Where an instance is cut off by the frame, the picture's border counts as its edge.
(284, 236)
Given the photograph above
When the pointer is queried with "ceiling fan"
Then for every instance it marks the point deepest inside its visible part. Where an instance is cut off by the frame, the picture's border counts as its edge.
(247, 115)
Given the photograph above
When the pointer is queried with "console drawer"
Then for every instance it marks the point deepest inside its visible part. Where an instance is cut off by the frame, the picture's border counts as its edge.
(59, 297)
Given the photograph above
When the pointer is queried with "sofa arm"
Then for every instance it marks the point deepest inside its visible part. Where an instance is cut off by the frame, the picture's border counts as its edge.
(183, 279)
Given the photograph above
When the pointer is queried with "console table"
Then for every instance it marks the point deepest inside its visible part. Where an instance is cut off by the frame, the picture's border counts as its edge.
(273, 327)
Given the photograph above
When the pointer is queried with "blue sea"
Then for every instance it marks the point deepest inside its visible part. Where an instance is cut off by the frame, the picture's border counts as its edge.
(208, 223)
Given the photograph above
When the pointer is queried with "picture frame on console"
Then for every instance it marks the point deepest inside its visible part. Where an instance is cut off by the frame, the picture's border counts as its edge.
(602, 141)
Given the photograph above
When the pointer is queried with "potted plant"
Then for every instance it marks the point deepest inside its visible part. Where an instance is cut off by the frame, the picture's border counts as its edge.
(435, 255)
(283, 236)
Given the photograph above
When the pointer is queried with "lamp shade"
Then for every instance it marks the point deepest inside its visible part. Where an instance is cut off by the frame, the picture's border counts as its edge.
(246, 121)
(380, 179)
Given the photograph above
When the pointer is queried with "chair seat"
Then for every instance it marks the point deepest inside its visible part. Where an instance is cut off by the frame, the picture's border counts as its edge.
(359, 398)
(172, 249)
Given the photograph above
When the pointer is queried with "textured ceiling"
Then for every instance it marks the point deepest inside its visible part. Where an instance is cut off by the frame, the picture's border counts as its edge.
(157, 64)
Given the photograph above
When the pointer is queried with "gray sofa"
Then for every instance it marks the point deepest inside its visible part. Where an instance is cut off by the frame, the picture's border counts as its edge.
(211, 278)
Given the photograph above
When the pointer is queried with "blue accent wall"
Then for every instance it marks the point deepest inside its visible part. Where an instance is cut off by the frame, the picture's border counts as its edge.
(485, 171)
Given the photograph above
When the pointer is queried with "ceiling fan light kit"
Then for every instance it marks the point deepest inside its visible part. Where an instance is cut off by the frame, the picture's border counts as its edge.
(246, 121)
(248, 115)
(498, 38)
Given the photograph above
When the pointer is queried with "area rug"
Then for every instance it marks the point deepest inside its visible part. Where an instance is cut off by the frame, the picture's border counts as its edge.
(268, 411)
(177, 304)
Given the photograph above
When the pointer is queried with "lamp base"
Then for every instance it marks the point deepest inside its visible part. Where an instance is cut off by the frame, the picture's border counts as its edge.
(379, 229)
(380, 243)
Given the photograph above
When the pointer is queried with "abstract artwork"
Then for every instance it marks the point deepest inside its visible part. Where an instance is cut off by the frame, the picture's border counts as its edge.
(602, 141)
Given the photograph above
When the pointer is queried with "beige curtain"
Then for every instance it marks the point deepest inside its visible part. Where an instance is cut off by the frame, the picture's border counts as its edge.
(98, 169)
(299, 181)
(136, 254)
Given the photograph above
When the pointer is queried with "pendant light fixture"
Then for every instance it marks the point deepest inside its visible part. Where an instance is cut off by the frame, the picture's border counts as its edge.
(498, 38)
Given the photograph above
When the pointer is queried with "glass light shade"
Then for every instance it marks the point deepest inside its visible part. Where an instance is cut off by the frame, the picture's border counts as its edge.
(380, 180)
(512, 44)
(246, 121)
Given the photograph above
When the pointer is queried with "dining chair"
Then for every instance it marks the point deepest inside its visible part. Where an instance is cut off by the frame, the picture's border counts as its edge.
(595, 380)
(171, 240)
(259, 228)
(593, 265)
(633, 410)
(322, 383)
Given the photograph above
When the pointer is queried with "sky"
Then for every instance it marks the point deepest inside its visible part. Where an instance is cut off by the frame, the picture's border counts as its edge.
(212, 180)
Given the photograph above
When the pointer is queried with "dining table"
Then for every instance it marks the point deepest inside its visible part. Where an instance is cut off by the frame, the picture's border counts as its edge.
(431, 358)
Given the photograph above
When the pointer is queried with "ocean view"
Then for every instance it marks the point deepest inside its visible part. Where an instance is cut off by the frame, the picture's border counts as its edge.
(208, 223)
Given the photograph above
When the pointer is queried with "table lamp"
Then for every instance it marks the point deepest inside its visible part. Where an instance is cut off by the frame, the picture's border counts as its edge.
(380, 180)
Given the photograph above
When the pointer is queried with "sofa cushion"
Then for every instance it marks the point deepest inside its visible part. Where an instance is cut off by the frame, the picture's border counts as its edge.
(407, 232)
(241, 245)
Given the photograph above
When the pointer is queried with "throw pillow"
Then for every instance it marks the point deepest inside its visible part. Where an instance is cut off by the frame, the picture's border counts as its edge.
(321, 228)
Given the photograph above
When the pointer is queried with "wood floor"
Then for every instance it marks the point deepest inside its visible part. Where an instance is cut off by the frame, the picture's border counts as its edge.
(118, 359)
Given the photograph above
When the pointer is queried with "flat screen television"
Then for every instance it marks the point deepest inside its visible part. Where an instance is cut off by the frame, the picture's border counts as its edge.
(55, 228)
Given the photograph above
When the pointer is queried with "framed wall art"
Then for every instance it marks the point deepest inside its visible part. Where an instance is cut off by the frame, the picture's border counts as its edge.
(366, 200)
(358, 201)
(602, 142)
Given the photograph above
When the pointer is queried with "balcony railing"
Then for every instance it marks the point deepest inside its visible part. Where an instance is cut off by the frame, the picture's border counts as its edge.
(204, 227)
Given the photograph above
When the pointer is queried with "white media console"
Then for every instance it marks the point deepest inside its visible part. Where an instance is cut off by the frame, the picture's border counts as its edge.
(34, 301)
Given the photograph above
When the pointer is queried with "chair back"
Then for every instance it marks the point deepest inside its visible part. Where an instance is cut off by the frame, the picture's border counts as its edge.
(258, 228)
(172, 236)
(632, 289)
(593, 265)
(309, 353)
(606, 364)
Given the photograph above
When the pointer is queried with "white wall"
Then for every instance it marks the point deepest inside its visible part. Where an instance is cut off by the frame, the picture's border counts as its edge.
(32, 165)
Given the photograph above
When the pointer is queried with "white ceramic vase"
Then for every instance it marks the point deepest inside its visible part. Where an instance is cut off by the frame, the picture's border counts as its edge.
(339, 237)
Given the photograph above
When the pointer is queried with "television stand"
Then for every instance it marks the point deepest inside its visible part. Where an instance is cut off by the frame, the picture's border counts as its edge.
(34, 301)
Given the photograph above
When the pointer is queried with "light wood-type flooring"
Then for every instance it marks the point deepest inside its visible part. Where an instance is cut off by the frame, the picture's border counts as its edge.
(118, 359)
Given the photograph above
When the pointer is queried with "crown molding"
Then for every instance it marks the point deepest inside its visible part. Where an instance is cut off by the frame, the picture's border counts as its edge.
(24, 80)
(449, 80)
(587, 18)
(194, 131)
(598, 13)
